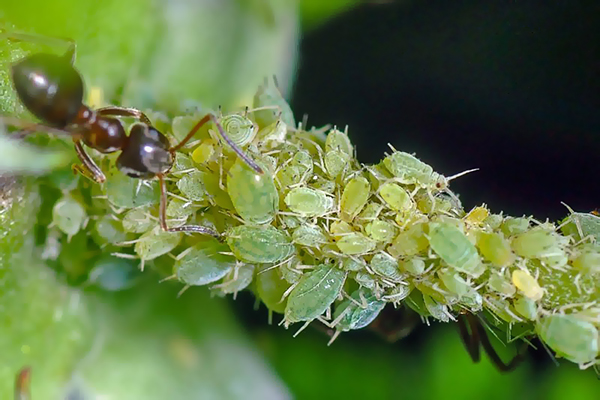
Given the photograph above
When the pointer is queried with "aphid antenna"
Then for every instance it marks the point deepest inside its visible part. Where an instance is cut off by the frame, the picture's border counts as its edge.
(124, 255)
(306, 324)
(287, 292)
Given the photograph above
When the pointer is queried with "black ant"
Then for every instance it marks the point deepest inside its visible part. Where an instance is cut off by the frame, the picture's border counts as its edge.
(52, 90)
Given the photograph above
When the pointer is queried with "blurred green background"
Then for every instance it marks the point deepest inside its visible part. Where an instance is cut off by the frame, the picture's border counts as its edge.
(145, 343)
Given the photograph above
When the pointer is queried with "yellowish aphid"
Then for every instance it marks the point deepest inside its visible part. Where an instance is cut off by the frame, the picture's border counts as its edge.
(527, 284)
(381, 231)
(340, 228)
(204, 152)
(410, 242)
(355, 243)
(354, 198)
(495, 249)
(477, 215)
(396, 197)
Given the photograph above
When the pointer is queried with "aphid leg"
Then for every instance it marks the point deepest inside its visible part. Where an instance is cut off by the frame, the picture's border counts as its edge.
(125, 112)
(22, 383)
(88, 165)
(210, 117)
(44, 40)
(163, 215)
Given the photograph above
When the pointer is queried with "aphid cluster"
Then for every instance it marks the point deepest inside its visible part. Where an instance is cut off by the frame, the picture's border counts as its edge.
(291, 215)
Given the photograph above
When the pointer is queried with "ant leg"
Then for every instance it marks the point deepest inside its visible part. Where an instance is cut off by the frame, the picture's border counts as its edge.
(163, 215)
(470, 339)
(124, 112)
(88, 164)
(43, 39)
(22, 383)
(30, 127)
(210, 117)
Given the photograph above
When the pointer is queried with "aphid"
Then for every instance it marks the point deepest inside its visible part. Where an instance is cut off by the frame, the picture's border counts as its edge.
(386, 265)
(410, 242)
(236, 280)
(52, 90)
(309, 235)
(108, 230)
(155, 243)
(396, 197)
(355, 243)
(203, 264)
(308, 202)
(448, 242)
(240, 129)
(270, 288)
(495, 248)
(22, 384)
(356, 312)
(381, 231)
(259, 244)
(354, 198)
(138, 220)
(570, 337)
(526, 307)
(455, 283)
(68, 215)
(269, 95)
(527, 284)
(113, 274)
(500, 284)
(314, 293)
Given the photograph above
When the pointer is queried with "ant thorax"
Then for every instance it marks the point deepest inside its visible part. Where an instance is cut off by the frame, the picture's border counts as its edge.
(146, 153)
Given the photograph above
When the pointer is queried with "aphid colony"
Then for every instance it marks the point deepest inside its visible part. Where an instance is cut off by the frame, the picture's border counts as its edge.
(291, 215)
(319, 236)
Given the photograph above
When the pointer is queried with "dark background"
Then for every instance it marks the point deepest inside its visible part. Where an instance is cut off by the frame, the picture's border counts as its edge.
(510, 87)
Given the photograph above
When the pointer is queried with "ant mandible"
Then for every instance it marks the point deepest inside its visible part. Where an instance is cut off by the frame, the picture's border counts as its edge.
(52, 89)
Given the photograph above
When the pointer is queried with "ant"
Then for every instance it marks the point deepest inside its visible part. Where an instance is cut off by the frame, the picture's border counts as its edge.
(52, 89)
(22, 383)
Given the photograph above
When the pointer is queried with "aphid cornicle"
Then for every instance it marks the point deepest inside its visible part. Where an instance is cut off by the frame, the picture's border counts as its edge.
(52, 89)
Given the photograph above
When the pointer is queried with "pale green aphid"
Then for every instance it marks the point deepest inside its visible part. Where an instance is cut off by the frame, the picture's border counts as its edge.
(179, 209)
(398, 294)
(413, 266)
(309, 235)
(501, 309)
(138, 220)
(452, 246)
(385, 265)
(236, 280)
(358, 311)
(338, 141)
(336, 162)
(536, 243)
(381, 231)
(437, 310)
(495, 249)
(526, 307)
(204, 263)
(370, 212)
(259, 244)
(365, 280)
(182, 165)
(455, 283)
(253, 195)
(351, 264)
(270, 288)
(191, 186)
(493, 221)
(108, 229)
(355, 243)
(125, 192)
(269, 95)
(499, 283)
(354, 197)
(582, 225)
(314, 293)
(155, 243)
(588, 260)
(308, 202)
(68, 215)
(514, 226)
(570, 337)
(290, 273)
(409, 170)
(323, 184)
(240, 129)
(396, 197)
(410, 242)
(113, 274)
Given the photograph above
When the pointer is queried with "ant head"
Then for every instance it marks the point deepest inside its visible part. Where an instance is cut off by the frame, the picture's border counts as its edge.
(145, 153)
(49, 87)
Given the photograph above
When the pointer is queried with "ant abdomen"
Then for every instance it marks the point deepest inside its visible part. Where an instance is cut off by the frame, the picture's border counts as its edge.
(49, 87)
(146, 153)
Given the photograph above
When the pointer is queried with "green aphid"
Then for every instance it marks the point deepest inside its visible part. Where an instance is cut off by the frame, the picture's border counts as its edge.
(354, 197)
(253, 195)
(237, 279)
(108, 230)
(387, 266)
(309, 235)
(289, 222)
(536, 243)
(204, 263)
(191, 186)
(495, 248)
(125, 192)
(581, 226)
(68, 215)
(182, 164)
(413, 266)
(314, 293)
(155, 243)
(587, 260)
(409, 170)
(396, 197)
(336, 162)
(308, 202)
(455, 283)
(493, 221)
(410, 242)
(290, 273)
(452, 246)
(270, 288)
(288, 176)
(355, 243)
(138, 220)
(570, 337)
(381, 231)
(370, 212)
(338, 141)
(303, 160)
(358, 312)
(365, 279)
(113, 274)
(499, 283)
(500, 307)
(215, 193)
(526, 308)
(323, 184)
(239, 128)
(436, 310)
(351, 264)
(398, 294)
(179, 209)
(514, 226)
(259, 244)
(269, 95)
